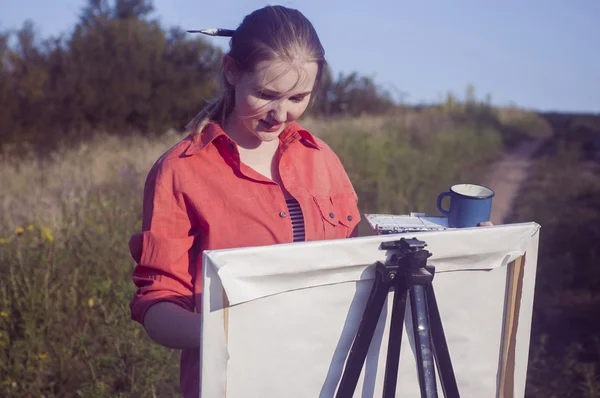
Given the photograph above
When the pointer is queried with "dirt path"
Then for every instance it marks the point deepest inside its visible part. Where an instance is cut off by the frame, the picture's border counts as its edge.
(506, 176)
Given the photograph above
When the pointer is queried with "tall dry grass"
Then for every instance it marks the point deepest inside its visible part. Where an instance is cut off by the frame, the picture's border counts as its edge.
(53, 191)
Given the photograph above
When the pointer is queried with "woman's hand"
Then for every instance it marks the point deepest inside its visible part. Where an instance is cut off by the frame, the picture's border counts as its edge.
(485, 224)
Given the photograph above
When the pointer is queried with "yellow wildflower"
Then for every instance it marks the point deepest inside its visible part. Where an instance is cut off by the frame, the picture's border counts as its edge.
(3, 314)
(46, 234)
(19, 231)
(30, 227)
(42, 355)
(3, 241)
(91, 302)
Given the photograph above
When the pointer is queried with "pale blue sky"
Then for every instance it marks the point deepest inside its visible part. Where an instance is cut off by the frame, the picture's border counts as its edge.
(538, 54)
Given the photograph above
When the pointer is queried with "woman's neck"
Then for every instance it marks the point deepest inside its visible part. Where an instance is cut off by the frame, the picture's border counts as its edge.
(245, 139)
(251, 148)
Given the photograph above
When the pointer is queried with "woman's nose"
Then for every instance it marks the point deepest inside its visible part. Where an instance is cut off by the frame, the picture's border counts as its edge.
(278, 112)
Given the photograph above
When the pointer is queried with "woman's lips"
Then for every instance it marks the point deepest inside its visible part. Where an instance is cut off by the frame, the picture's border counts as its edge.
(271, 128)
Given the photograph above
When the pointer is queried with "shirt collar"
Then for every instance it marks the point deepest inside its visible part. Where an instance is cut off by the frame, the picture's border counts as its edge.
(212, 131)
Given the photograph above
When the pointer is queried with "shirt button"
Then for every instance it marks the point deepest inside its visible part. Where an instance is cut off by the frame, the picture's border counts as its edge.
(331, 215)
(349, 218)
(282, 214)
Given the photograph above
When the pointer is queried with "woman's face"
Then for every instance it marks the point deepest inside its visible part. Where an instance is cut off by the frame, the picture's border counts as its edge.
(268, 99)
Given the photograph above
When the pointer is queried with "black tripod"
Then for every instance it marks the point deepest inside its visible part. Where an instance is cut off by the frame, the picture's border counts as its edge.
(406, 271)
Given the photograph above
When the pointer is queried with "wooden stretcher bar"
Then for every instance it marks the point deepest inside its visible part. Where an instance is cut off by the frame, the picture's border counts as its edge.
(514, 290)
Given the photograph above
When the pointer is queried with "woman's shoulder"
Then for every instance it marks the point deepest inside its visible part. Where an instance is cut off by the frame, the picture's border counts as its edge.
(326, 161)
(171, 159)
(313, 138)
(324, 149)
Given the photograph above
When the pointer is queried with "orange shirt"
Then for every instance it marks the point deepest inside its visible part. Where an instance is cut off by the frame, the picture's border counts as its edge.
(199, 196)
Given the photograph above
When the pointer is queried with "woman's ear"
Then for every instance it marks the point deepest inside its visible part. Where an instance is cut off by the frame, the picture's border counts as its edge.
(231, 70)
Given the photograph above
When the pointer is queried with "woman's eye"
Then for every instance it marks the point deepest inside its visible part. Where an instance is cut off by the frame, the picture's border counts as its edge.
(267, 97)
(273, 97)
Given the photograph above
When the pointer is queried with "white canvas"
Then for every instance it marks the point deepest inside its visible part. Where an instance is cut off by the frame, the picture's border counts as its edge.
(279, 321)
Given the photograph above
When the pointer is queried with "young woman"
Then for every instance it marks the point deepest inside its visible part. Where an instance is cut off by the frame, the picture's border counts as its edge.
(247, 174)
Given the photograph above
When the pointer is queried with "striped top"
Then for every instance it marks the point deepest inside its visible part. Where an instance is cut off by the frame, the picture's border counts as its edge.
(297, 219)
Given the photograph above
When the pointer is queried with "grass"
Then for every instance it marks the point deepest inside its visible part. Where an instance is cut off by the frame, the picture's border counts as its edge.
(397, 172)
(65, 222)
(563, 195)
(65, 274)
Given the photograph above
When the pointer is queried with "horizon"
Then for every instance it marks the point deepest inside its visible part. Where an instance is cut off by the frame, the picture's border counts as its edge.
(546, 61)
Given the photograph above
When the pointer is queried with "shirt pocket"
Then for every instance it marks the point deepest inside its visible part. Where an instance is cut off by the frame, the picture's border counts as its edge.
(339, 215)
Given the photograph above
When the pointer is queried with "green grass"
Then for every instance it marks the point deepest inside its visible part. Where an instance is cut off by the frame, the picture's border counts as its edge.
(394, 171)
(65, 319)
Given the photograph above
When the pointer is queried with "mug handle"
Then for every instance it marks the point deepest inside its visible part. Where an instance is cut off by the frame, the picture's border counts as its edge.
(439, 203)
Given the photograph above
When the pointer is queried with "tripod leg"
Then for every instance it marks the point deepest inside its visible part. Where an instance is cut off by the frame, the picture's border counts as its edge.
(395, 340)
(440, 347)
(425, 364)
(364, 335)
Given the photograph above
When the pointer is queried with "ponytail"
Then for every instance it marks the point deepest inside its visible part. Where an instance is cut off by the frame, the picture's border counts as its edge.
(216, 111)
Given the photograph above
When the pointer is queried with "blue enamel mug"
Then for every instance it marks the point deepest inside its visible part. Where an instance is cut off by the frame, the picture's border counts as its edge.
(470, 204)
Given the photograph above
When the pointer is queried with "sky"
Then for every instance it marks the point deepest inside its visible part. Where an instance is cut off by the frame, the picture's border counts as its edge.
(536, 54)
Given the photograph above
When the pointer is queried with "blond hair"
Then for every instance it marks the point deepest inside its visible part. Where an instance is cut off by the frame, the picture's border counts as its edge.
(272, 33)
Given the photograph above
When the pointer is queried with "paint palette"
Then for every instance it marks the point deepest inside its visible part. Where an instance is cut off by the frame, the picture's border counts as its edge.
(397, 224)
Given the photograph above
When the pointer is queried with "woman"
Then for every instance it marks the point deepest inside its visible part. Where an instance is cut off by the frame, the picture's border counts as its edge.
(246, 175)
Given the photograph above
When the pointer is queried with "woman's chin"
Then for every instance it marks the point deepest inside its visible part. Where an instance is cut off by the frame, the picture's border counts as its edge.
(267, 135)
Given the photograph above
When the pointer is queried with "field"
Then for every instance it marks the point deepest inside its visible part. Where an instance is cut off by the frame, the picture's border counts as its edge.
(563, 195)
(66, 219)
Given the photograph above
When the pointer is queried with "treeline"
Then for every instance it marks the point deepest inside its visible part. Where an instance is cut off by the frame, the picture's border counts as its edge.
(119, 71)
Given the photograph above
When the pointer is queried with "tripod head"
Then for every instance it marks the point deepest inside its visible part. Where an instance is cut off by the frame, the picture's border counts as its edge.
(404, 244)
(410, 259)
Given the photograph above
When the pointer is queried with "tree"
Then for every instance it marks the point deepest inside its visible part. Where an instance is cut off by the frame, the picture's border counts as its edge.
(132, 9)
(119, 71)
